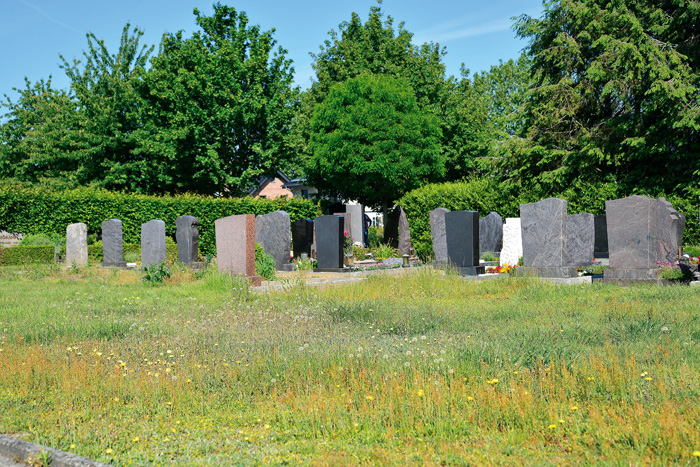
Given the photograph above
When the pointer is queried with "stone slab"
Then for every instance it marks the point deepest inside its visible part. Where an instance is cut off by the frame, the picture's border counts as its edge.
(580, 239)
(512, 242)
(544, 227)
(187, 238)
(355, 226)
(404, 234)
(152, 243)
(600, 225)
(329, 241)
(336, 270)
(469, 270)
(273, 233)
(112, 243)
(462, 234)
(632, 274)
(547, 271)
(302, 237)
(8, 239)
(76, 245)
(391, 229)
(235, 244)
(437, 232)
(491, 233)
(15, 448)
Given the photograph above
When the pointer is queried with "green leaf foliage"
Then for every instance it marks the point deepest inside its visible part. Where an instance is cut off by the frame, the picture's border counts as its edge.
(33, 210)
(15, 255)
(372, 143)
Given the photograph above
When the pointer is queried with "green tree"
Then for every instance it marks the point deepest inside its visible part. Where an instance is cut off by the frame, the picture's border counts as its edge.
(371, 142)
(221, 105)
(615, 95)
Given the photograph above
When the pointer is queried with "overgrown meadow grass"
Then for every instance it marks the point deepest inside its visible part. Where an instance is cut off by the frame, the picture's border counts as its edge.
(424, 368)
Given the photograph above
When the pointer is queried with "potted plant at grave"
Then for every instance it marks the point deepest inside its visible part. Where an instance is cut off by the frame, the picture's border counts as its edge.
(347, 249)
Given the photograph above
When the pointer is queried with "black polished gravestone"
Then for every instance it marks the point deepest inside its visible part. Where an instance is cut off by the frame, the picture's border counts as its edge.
(329, 243)
(462, 235)
(302, 237)
(600, 226)
(187, 237)
(112, 243)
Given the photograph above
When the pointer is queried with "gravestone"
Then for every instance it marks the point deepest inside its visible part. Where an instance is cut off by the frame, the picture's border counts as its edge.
(347, 222)
(355, 226)
(391, 229)
(76, 245)
(8, 239)
(302, 237)
(152, 242)
(580, 239)
(491, 233)
(329, 243)
(642, 232)
(404, 245)
(462, 236)
(601, 236)
(235, 245)
(512, 249)
(187, 238)
(112, 243)
(437, 232)
(544, 230)
(273, 233)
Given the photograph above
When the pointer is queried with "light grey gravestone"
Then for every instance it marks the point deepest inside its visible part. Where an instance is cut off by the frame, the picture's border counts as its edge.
(76, 245)
(404, 245)
(152, 243)
(580, 240)
(187, 238)
(273, 232)
(642, 232)
(355, 225)
(512, 242)
(544, 230)
(391, 229)
(491, 232)
(112, 243)
(437, 232)
(8, 239)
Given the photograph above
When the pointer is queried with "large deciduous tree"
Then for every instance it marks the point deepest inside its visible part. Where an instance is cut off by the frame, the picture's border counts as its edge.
(616, 95)
(221, 104)
(371, 141)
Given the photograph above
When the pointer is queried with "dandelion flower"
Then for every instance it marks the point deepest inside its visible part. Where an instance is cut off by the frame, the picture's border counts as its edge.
(420, 393)
(470, 398)
(135, 440)
(369, 398)
(574, 408)
(72, 446)
(552, 426)
(109, 451)
(696, 453)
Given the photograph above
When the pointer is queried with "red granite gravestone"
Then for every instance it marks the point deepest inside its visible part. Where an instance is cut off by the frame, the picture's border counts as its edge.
(235, 246)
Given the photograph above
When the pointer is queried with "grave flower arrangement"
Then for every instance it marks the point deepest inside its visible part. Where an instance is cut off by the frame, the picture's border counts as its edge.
(675, 271)
(347, 243)
(505, 269)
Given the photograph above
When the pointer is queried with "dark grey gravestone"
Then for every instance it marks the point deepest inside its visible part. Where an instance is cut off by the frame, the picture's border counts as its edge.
(187, 237)
(112, 243)
(152, 242)
(544, 227)
(580, 239)
(437, 232)
(391, 229)
(273, 233)
(491, 232)
(600, 225)
(404, 234)
(329, 243)
(462, 236)
(302, 236)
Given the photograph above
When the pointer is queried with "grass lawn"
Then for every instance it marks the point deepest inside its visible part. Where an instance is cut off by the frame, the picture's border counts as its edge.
(421, 369)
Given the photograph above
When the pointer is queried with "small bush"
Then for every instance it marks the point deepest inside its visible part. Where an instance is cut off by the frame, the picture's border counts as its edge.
(375, 236)
(264, 263)
(489, 256)
(358, 252)
(383, 252)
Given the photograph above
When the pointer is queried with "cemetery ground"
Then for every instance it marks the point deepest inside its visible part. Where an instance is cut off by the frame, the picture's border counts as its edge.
(420, 369)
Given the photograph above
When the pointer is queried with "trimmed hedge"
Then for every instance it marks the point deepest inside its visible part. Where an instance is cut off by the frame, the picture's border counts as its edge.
(485, 195)
(35, 210)
(96, 254)
(26, 255)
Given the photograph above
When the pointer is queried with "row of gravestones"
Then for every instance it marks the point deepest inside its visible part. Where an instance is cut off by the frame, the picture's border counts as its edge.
(641, 232)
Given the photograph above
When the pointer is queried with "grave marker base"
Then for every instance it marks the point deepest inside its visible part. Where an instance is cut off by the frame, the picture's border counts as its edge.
(469, 270)
(637, 274)
(121, 264)
(331, 269)
(561, 272)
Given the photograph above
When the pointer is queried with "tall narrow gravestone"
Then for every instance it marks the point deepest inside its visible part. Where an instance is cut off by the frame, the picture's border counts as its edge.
(580, 239)
(273, 233)
(329, 243)
(512, 242)
(391, 229)
(187, 237)
(642, 232)
(600, 225)
(491, 233)
(437, 232)
(544, 230)
(235, 244)
(76, 245)
(355, 226)
(462, 236)
(112, 243)
(302, 237)
(152, 242)
(404, 234)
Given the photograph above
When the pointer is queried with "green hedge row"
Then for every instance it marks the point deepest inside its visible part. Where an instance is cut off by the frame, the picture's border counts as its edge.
(485, 195)
(96, 256)
(26, 254)
(35, 210)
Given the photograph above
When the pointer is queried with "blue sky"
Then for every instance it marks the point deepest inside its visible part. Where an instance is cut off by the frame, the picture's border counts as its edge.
(34, 32)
